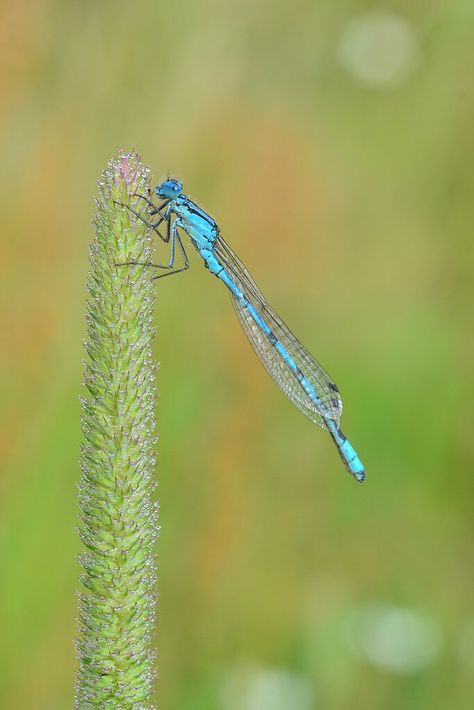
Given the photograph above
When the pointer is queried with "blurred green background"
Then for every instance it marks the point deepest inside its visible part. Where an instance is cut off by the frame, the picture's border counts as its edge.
(333, 143)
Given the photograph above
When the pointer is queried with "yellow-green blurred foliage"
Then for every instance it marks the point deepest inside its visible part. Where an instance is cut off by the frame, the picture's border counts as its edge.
(333, 142)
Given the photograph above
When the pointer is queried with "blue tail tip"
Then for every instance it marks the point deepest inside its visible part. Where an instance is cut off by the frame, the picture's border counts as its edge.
(359, 476)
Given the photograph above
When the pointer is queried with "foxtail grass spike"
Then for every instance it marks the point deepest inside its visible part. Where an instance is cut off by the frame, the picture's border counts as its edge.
(118, 518)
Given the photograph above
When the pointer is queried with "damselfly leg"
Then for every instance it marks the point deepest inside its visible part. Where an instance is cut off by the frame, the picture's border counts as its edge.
(171, 237)
(155, 210)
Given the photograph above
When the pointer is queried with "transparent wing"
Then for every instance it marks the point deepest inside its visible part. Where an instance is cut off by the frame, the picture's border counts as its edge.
(329, 403)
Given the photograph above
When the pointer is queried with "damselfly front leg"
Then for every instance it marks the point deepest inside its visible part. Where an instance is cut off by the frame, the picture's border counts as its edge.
(155, 210)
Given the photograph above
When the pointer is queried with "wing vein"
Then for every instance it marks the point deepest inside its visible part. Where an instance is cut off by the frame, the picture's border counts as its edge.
(327, 404)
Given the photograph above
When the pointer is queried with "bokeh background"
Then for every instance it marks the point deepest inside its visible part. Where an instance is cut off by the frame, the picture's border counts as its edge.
(333, 142)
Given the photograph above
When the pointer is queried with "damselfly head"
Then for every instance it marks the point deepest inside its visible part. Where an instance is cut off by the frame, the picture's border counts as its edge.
(169, 189)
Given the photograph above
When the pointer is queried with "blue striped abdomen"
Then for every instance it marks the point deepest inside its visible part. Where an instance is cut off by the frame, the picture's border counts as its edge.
(347, 452)
(216, 268)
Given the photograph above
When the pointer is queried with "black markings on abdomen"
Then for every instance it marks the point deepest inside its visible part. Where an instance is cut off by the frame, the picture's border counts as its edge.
(300, 375)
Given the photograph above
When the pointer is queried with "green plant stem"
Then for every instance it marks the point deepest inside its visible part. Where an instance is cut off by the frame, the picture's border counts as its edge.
(118, 517)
